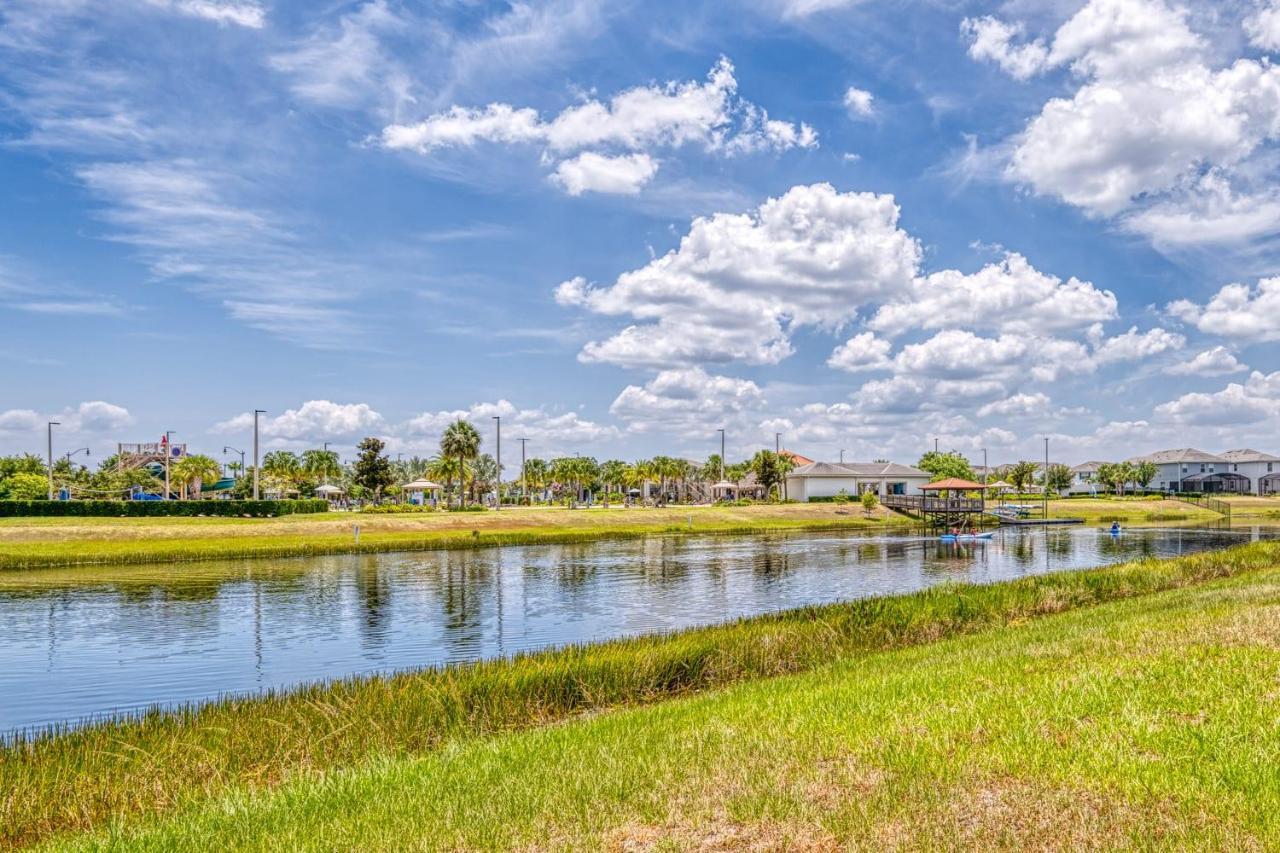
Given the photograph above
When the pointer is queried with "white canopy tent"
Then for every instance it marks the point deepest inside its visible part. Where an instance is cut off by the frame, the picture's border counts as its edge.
(416, 492)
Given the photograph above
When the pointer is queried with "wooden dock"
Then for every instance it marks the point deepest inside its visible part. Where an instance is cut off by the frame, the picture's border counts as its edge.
(937, 509)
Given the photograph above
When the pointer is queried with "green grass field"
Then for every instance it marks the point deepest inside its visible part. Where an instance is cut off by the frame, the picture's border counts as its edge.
(1130, 511)
(48, 542)
(1144, 723)
(433, 759)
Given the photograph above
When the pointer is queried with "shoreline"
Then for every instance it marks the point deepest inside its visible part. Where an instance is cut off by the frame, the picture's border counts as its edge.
(79, 780)
(100, 552)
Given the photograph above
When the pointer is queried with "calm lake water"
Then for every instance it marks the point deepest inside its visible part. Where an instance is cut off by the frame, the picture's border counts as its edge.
(83, 643)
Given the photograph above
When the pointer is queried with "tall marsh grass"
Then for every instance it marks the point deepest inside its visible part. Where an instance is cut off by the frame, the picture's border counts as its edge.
(74, 780)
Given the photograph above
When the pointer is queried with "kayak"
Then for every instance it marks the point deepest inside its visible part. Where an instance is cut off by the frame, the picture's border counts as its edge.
(966, 537)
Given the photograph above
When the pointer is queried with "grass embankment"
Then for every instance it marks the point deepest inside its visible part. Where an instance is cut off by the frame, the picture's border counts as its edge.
(1130, 511)
(80, 780)
(47, 542)
(1145, 724)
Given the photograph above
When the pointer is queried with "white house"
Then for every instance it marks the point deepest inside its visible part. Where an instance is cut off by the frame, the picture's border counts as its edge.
(1191, 470)
(1084, 479)
(1262, 470)
(828, 479)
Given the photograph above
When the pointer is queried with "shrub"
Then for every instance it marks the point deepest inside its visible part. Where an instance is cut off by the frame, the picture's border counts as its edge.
(390, 509)
(160, 508)
(469, 508)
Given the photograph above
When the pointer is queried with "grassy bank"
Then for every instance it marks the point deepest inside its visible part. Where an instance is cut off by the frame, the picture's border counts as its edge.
(79, 780)
(1130, 511)
(1141, 724)
(50, 542)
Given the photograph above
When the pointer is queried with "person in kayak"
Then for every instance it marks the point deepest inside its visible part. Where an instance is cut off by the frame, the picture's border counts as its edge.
(1115, 528)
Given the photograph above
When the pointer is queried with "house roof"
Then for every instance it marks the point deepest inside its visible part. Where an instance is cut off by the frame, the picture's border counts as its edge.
(954, 484)
(421, 485)
(1087, 467)
(1248, 455)
(858, 469)
(1185, 454)
(796, 458)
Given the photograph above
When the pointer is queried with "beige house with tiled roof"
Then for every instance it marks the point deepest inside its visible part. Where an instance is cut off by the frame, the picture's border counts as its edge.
(828, 479)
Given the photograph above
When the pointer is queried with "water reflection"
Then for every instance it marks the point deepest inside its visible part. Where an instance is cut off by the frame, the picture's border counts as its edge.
(85, 642)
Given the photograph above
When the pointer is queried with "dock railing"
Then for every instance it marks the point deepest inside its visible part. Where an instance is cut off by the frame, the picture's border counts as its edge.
(924, 504)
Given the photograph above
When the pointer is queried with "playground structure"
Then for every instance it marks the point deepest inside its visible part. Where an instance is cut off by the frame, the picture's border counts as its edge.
(149, 455)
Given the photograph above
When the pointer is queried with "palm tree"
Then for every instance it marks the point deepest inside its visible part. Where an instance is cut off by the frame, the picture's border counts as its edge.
(321, 465)
(486, 475)
(282, 467)
(535, 474)
(197, 469)
(462, 442)
(612, 472)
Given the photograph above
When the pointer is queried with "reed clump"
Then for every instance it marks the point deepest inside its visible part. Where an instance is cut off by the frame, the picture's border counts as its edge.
(58, 782)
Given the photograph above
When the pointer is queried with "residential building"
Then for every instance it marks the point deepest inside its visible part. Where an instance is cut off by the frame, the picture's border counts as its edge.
(1084, 478)
(828, 479)
(1262, 470)
(1190, 470)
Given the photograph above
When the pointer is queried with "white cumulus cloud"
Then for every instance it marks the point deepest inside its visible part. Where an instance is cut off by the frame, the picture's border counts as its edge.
(739, 284)
(1236, 311)
(625, 174)
(1218, 361)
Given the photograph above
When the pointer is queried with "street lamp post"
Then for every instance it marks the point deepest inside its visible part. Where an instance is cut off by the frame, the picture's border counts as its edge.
(227, 447)
(168, 454)
(1045, 480)
(497, 490)
(721, 455)
(985, 469)
(842, 456)
(524, 484)
(50, 427)
(256, 413)
(777, 451)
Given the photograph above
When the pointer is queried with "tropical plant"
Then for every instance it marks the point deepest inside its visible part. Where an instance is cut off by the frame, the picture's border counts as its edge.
(372, 469)
(769, 470)
(486, 476)
(26, 486)
(1144, 473)
(870, 500)
(461, 441)
(282, 470)
(536, 474)
(613, 473)
(945, 466)
(195, 470)
(1022, 474)
(321, 465)
(1058, 478)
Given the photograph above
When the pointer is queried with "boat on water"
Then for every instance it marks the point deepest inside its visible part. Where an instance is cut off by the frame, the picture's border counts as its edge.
(967, 537)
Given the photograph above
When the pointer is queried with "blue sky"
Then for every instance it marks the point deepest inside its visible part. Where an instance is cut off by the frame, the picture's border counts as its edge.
(623, 226)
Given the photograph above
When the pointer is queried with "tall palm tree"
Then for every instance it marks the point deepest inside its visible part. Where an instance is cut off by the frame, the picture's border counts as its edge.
(195, 468)
(321, 465)
(613, 473)
(461, 441)
(282, 467)
(534, 474)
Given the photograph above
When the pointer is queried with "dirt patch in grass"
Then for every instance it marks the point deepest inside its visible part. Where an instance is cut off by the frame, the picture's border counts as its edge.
(719, 833)
(1256, 626)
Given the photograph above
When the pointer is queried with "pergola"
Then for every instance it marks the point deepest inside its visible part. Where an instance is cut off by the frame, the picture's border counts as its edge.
(415, 492)
(329, 493)
(722, 487)
(953, 484)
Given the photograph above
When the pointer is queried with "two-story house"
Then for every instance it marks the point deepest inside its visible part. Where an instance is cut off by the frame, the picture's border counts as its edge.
(1190, 470)
(1262, 469)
